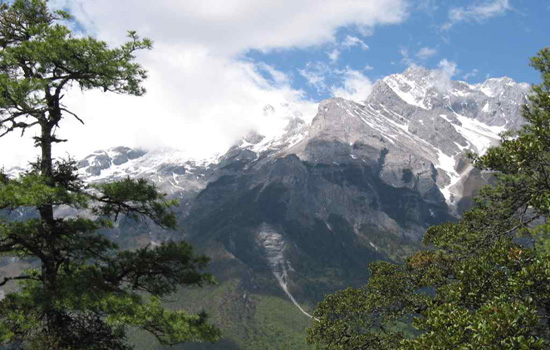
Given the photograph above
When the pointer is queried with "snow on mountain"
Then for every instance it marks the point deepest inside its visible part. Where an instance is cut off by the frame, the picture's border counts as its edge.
(419, 117)
(452, 117)
(409, 88)
(172, 171)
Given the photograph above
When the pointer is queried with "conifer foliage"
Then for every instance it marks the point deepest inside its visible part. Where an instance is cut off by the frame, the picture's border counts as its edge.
(85, 292)
(483, 282)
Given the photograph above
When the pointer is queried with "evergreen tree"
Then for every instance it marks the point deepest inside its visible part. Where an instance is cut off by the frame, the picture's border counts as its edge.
(483, 282)
(85, 293)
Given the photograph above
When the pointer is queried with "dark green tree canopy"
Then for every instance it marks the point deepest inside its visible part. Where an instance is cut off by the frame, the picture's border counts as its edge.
(85, 293)
(483, 282)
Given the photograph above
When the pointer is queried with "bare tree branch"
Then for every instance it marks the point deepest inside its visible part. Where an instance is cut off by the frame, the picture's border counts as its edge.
(22, 277)
(73, 114)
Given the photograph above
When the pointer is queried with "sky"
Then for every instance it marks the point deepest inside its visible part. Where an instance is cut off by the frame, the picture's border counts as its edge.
(216, 64)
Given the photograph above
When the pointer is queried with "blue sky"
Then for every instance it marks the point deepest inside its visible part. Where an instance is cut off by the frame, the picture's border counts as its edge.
(486, 39)
(216, 64)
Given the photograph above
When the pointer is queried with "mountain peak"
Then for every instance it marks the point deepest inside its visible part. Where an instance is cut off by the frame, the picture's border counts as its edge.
(494, 87)
(414, 71)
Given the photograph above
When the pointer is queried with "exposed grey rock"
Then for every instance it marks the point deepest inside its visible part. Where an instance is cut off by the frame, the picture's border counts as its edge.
(135, 153)
(253, 137)
(122, 149)
(120, 159)
(269, 109)
(98, 162)
(82, 163)
(294, 123)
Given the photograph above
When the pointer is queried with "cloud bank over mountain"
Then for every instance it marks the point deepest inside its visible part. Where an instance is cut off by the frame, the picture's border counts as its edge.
(216, 64)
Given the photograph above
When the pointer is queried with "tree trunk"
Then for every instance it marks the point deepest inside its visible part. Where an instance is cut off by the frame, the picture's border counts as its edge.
(49, 269)
(46, 148)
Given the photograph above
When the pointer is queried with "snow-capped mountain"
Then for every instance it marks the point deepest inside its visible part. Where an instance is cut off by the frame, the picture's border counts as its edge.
(168, 169)
(357, 183)
(419, 118)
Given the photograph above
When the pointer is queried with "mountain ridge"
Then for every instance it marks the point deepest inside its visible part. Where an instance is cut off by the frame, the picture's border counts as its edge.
(302, 214)
(477, 113)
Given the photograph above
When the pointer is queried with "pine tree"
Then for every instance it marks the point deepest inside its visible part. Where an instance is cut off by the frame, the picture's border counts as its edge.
(85, 293)
(483, 282)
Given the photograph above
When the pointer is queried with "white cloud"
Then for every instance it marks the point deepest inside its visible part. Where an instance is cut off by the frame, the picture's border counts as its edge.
(195, 101)
(333, 55)
(353, 84)
(471, 74)
(426, 52)
(428, 6)
(346, 44)
(405, 59)
(444, 73)
(356, 86)
(231, 26)
(448, 68)
(417, 58)
(279, 78)
(201, 95)
(315, 74)
(352, 41)
(477, 12)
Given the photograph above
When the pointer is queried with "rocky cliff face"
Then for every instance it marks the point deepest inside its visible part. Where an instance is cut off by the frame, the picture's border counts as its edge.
(302, 214)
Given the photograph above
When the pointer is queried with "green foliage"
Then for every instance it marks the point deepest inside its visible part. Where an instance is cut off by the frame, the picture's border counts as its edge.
(344, 321)
(484, 282)
(85, 292)
(34, 190)
(135, 199)
(247, 320)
